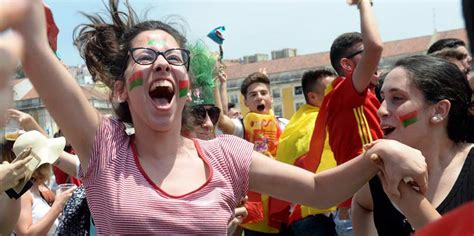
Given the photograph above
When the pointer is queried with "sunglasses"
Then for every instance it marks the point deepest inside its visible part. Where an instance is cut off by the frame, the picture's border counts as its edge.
(199, 113)
(350, 56)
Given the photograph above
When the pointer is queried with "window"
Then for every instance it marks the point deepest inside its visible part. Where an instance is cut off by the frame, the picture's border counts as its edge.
(234, 98)
(276, 93)
(298, 90)
(278, 110)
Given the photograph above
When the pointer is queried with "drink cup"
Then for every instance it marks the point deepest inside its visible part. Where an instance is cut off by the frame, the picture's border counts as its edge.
(12, 130)
(64, 187)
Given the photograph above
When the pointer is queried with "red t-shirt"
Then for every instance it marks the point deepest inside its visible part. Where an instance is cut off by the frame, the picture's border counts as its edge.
(352, 119)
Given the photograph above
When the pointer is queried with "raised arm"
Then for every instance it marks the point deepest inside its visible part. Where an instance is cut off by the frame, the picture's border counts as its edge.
(223, 89)
(373, 47)
(66, 162)
(330, 187)
(225, 123)
(57, 88)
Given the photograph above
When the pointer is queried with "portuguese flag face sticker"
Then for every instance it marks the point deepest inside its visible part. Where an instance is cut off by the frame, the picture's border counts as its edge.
(183, 88)
(136, 80)
(409, 119)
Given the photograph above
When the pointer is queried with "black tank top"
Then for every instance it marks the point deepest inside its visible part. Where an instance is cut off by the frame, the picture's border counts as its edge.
(389, 221)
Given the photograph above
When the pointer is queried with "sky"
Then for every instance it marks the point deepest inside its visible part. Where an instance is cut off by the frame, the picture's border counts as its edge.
(260, 26)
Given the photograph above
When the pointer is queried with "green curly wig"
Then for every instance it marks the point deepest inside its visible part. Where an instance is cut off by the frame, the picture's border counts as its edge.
(202, 70)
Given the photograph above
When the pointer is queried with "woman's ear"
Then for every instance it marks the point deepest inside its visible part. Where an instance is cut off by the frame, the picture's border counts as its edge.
(441, 111)
(120, 93)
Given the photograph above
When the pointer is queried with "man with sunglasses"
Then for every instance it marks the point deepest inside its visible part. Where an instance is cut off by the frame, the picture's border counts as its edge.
(349, 109)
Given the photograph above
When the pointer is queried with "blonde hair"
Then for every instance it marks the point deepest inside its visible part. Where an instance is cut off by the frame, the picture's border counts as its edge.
(42, 173)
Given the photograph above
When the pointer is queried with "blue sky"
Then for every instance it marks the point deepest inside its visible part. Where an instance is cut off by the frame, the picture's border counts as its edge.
(260, 26)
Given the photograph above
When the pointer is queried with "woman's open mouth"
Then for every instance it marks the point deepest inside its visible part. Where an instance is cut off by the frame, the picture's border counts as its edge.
(387, 130)
(161, 92)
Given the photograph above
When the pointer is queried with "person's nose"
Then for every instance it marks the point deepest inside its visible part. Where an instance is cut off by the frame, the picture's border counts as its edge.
(207, 123)
(382, 111)
(161, 64)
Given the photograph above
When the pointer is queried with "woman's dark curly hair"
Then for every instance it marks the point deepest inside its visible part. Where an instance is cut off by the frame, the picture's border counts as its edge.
(105, 45)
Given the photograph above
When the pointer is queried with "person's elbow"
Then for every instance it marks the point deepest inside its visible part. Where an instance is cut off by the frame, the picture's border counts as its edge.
(375, 47)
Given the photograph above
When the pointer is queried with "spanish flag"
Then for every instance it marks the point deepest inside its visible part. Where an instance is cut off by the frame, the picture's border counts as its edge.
(294, 145)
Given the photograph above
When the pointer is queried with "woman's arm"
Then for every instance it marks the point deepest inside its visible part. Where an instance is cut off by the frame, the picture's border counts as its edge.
(414, 206)
(25, 224)
(68, 163)
(323, 190)
(332, 186)
(59, 91)
(9, 214)
(223, 89)
(362, 213)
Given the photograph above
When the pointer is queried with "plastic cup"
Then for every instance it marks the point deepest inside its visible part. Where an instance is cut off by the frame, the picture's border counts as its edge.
(64, 187)
(12, 130)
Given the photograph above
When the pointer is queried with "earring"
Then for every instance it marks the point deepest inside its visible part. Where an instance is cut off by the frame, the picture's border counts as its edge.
(436, 118)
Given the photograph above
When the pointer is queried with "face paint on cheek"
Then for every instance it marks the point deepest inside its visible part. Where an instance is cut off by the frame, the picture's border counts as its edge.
(183, 88)
(409, 118)
(135, 80)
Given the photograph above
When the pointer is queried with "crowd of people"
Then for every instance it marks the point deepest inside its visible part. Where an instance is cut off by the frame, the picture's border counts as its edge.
(363, 156)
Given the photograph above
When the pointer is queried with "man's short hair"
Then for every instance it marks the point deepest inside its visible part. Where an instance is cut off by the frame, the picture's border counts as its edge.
(341, 47)
(256, 77)
(449, 54)
(445, 43)
(230, 105)
(312, 79)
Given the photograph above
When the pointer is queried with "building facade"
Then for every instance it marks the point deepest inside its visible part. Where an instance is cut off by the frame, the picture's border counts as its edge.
(26, 99)
(285, 73)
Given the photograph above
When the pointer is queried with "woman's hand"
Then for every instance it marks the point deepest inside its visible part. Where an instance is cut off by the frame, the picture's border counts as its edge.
(412, 204)
(397, 162)
(12, 173)
(32, 25)
(26, 121)
(240, 213)
(61, 199)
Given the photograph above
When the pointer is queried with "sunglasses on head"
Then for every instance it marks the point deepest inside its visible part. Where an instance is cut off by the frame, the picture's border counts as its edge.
(353, 54)
(200, 112)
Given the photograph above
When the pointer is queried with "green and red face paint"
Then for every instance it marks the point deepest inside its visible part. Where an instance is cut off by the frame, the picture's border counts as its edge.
(183, 88)
(135, 80)
(409, 118)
